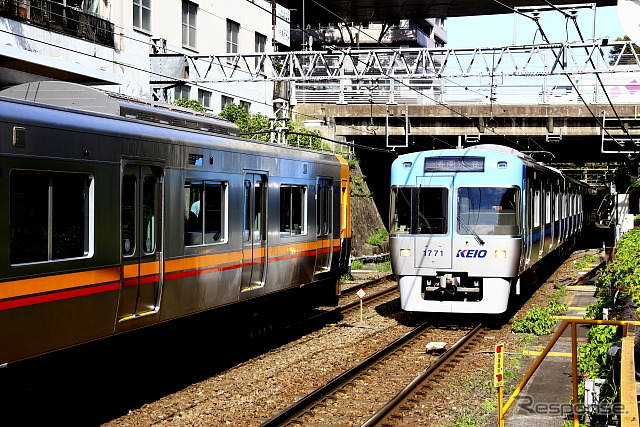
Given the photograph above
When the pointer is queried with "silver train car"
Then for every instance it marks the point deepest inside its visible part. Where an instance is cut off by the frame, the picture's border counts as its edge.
(468, 225)
(120, 214)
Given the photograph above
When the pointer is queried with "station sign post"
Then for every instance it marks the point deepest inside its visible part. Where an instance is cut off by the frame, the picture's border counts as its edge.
(361, 294)
(498, 379)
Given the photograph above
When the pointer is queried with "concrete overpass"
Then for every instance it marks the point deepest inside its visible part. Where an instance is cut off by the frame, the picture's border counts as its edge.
(573, 133)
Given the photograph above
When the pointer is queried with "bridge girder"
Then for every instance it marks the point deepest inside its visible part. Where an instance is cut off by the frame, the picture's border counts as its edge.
(598, 56)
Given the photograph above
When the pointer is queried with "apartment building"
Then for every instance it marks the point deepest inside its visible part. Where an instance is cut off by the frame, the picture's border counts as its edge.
(151, 49)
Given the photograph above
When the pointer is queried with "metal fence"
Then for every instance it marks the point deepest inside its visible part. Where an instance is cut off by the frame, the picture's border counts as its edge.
(58, 18)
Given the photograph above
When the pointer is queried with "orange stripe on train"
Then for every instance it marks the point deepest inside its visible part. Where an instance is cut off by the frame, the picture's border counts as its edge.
(150, 270)
(57, 282)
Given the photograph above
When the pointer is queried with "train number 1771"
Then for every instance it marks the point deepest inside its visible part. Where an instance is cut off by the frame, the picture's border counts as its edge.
(433, 252)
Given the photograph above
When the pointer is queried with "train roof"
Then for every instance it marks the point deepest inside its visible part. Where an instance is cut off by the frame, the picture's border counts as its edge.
(85, 98)
(499, 149)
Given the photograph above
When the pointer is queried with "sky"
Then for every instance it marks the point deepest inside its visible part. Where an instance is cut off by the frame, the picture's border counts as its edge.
(498, 30)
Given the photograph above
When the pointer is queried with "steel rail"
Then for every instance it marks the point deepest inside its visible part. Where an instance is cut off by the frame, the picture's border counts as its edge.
(330, 314)
(406, 392)
(301, 405)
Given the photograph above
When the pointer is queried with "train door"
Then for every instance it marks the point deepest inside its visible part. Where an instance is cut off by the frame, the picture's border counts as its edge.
(324, 221)
(141, 245)
(254, 235)
(431, 208)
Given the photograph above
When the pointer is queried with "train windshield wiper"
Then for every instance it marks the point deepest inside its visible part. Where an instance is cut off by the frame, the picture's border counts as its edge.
(470, 231)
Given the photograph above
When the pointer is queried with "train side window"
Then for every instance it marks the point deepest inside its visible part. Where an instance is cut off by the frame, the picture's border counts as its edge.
(205, 212)
(246, 227)
(400, 210)
(547, 207)
(149, 214)
(293, 208)
(50, 216)
(128, 214)
(536, 208)
(323, 207)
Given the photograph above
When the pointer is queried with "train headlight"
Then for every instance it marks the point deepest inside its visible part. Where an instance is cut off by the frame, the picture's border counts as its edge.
(500, 254)
(405, 252)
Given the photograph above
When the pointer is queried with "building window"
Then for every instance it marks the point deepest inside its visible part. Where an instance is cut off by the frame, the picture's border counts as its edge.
(233, 30)
(183, 92)
(50, 216)
(204, 212)
(246, 105)
(293, 210)
(204, 97)
(142, 15)
(261, 44)
(189, 12)
(225, 100)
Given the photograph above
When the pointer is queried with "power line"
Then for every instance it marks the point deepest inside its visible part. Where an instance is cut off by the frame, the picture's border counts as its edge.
(400, 81)
(536, 20)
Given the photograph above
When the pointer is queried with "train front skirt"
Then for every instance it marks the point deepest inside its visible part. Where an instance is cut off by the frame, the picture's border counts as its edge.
(495, 298)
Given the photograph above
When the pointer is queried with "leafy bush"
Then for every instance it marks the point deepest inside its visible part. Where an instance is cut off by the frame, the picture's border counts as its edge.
(592, 356)
(623, 273)
(378, 237)
(555, 307)
(581, 265)
(383, 266)
(189, 103)
(246, 121)
(353, 161)
(538, 321)
(590, 258)
(604, 300)
(357, 264)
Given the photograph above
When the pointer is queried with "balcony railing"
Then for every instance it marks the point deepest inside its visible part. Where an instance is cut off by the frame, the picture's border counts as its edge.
(59, 18)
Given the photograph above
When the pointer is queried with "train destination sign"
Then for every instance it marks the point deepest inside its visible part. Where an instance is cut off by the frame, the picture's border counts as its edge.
(454, 164)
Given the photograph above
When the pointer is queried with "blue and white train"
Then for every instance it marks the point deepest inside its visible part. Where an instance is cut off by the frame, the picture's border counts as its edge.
(468, 224)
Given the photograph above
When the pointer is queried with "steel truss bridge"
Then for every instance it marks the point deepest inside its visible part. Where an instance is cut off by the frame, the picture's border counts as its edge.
(527, 77)
(512, 74)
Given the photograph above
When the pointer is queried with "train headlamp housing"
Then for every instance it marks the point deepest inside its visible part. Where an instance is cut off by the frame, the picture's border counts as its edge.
(405, 252)
(500, 254)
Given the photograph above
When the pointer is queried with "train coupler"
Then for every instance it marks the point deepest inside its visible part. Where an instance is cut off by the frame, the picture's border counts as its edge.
(448, 286)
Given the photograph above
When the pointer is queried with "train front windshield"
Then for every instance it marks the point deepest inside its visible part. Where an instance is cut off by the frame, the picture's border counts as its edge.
(419, 210)
(488, 211)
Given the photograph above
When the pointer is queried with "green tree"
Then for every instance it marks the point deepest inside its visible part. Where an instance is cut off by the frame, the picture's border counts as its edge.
(308, 139)
(297, 135)
(617, 55)
(189, 103)
(246, 121)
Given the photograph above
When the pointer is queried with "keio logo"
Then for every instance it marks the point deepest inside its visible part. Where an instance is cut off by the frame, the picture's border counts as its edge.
(471, 253)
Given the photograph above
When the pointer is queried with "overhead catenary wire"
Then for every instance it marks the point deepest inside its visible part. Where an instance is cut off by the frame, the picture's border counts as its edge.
(360, 130)
(169, 77)
(133, 67)
(515, 143)
(536, 20)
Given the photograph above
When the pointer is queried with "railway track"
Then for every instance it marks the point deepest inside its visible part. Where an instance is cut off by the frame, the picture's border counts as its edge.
(373, 390)
(254, 391)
